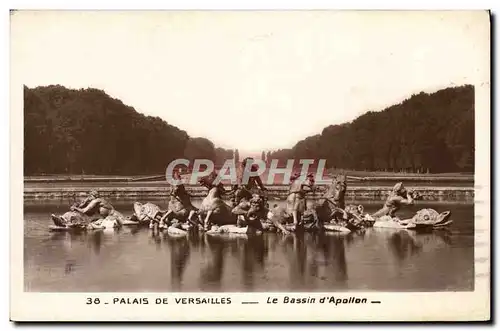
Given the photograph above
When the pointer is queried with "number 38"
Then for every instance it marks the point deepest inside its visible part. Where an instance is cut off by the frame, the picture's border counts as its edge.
(95, 301)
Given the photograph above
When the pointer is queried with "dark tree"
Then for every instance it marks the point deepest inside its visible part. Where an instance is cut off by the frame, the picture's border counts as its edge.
(221, 155)
(268, 158)
(427, 132)
(87, 132)
(236, 156)
(199, 148)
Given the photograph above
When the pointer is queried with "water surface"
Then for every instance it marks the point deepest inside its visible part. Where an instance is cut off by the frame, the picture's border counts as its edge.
(134, 260)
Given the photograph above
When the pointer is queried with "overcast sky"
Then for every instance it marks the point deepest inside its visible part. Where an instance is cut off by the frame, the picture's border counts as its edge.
(252, 80)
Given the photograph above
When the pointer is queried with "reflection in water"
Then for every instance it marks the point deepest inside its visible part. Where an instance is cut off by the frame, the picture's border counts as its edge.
(96, 240)
(254, 256)
(329, 257)
(446, 236)
(58, 236)
(377, 259)
(316, 257)
(93, 239)
(405, 244)
(336, 256)
(69, 266)
(351, 238)
(134, 230)
(179, 257)
(211, 274)
(298, 259)
(196, 240)
(156, 239)
(310, 259)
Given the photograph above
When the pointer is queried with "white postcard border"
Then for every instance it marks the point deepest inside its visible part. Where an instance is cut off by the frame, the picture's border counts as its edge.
(396, 306)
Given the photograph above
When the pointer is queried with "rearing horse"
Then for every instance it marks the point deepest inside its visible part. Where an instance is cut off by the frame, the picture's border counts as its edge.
(240, 200)
(331, 208)
(296, 200)
(332, 204)
(296, 204)
(179, 207)
(213, 209)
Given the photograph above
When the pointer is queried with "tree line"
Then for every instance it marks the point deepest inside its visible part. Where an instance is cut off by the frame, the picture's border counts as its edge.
(428, 132)
(85, 131)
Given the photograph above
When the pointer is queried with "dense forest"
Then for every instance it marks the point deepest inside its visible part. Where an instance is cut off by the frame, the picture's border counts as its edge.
(87, 132)
(424, 133)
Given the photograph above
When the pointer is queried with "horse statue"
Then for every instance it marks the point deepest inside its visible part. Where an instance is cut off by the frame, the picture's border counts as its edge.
(213, 209)
(180, 208)
(249, 205)
(288, 218)
(330, 212)
(332, 203)
(149, 213)
(240, 200)
(246, 210)
(248, 221)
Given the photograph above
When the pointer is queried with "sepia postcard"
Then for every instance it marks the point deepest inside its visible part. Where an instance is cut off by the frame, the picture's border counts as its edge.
(320, 165)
